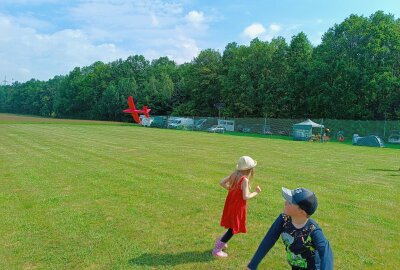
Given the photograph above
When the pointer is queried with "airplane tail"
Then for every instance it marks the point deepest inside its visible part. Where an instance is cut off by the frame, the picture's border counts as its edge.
(146, 111)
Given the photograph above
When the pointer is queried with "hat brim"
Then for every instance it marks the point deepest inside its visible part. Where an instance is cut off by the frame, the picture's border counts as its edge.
(287, 195)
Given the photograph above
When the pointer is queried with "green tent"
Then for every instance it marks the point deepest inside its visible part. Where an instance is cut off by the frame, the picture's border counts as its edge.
(370, 140)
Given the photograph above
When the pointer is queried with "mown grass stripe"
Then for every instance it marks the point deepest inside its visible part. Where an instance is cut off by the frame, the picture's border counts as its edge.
(76, 196)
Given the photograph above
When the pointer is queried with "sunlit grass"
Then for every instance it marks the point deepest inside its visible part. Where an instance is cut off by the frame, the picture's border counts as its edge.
(100, 196)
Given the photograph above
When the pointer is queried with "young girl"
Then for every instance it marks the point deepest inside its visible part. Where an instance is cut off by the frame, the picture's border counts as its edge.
(234, 214)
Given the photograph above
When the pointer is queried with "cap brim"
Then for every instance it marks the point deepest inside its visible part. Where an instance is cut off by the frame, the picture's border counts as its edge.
(287, 194)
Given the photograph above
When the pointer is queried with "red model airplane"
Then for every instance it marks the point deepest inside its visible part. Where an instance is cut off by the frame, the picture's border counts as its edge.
(134, 112)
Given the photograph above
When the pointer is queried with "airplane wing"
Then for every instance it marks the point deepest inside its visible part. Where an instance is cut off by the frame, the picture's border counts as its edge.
(136, 117)
(132, 110)
(131, 103)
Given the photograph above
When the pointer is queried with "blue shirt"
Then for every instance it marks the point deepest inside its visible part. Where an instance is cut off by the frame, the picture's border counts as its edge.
(306, 248)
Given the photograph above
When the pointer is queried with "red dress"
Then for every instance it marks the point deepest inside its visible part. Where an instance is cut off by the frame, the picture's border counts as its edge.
(234, 215)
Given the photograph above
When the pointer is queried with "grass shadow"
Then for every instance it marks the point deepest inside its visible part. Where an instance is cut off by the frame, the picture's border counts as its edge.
(385, 170)
(171, 259)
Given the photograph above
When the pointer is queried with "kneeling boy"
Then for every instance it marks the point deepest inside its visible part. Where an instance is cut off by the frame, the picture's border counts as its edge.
(305, 243)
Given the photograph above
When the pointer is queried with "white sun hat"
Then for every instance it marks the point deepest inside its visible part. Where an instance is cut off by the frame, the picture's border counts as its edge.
(245, 163)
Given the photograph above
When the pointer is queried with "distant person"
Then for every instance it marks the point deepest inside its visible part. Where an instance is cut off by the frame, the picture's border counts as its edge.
(326, 135)
(305, 244)
(233, 218)
(317, 137)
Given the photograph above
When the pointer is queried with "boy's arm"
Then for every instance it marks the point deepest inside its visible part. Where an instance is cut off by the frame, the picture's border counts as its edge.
(267, 243)
(324, 250)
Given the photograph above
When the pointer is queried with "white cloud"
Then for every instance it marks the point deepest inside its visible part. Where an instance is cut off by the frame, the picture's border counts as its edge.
(125, 15)
(253, 31)
(179, 48)
(257, 30)
(186, 49)
(150, 26)
(154, 20)
(28, 20)
(195, 18)
(30, 2)
(273, 31)
(275, 28)
(28, 54)
(102, 30)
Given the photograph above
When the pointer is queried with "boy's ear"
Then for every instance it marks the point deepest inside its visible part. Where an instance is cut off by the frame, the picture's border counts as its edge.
(303, 212)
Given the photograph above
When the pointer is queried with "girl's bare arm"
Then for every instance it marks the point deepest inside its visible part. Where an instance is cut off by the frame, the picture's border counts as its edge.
(225, 182)
(246, 190)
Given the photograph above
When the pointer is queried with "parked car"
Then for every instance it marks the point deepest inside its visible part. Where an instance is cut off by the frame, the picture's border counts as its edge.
(394, 137)
(181, 123)
(217, 129)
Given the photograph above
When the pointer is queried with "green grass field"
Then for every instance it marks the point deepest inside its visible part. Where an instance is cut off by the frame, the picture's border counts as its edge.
(98, 195)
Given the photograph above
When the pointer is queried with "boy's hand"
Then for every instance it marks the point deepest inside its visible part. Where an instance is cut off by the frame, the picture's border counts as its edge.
(258, 189)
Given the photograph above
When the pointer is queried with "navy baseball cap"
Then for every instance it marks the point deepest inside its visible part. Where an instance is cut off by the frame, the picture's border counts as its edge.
(302, 197)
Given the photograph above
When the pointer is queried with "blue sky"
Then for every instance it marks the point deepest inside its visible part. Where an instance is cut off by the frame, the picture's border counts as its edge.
(44, 38)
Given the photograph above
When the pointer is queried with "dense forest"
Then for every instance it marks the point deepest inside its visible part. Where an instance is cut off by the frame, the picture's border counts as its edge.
(354, 73)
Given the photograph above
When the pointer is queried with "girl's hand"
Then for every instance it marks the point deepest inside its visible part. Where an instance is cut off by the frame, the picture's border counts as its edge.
(258, 189)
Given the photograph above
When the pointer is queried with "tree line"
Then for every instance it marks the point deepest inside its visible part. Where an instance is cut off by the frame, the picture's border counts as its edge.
(354, 73)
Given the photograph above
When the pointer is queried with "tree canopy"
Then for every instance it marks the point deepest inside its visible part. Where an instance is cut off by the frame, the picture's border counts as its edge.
(354, 73)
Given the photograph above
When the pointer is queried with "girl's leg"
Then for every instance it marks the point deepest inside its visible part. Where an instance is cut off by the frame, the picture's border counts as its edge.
(220, 245)
(227, 236)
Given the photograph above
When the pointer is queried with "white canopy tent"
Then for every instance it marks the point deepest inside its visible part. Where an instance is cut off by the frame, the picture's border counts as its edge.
(303, 131)
(311, 123)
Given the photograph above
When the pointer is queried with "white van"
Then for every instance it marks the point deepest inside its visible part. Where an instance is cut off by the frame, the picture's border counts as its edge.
(181, 123)
(229, 125)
